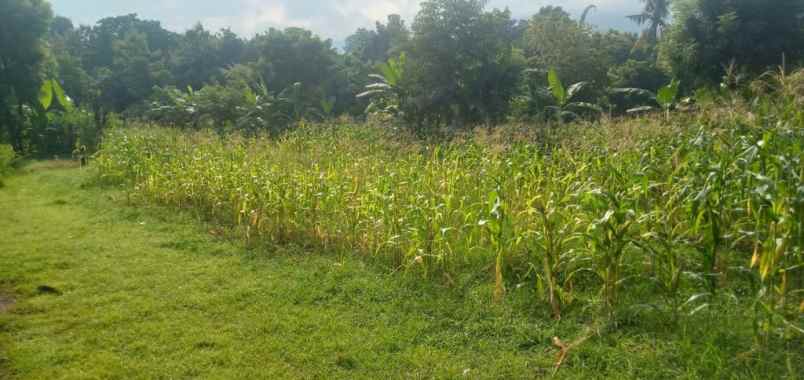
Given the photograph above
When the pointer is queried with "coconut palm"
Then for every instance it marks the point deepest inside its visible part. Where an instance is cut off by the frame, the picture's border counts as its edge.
(653, 15)
(585, 13)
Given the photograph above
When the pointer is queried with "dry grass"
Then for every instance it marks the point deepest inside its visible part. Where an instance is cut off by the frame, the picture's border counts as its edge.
(52, 164)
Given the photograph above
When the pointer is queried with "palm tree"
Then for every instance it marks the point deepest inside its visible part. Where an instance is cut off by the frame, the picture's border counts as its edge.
(585, 13)
(654, 15)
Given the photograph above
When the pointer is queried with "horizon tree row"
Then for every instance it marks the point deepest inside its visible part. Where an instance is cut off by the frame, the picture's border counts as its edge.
(463, 65)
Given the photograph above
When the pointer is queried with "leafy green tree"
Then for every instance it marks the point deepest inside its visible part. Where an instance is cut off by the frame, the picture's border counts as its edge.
(378, 45)
(666, 97)
(291, 56)
(102, 38)
(23, 51)
(556, 41)
(351, 77)
(66, 49)
(463, 65)
(707, 35)
(284, 58)
(637, 74)
(202, 56)
(132, 75)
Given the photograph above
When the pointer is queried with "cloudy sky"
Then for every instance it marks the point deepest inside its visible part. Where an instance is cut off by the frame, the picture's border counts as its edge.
(334, 19)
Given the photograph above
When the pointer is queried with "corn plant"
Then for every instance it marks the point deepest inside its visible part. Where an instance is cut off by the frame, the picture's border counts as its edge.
(499, 232)
(650, 206)
(611, 218)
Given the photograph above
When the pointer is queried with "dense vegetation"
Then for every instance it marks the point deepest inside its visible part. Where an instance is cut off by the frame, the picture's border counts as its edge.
(670, 213)
(147, 291)
(600, 176)
(457, 65)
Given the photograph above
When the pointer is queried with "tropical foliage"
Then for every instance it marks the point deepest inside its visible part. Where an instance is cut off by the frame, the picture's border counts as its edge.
(458, 65)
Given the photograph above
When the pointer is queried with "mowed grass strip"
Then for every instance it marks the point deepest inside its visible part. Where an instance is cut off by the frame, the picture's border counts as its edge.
(107, 290)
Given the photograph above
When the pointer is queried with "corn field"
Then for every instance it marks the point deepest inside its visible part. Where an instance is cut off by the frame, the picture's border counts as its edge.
(684, 209)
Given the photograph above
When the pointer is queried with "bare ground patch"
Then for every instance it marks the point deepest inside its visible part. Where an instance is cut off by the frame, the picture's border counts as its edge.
(6, 302)
(52, 164)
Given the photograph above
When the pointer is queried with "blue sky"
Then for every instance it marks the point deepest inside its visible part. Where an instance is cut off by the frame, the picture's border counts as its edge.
(334, 19)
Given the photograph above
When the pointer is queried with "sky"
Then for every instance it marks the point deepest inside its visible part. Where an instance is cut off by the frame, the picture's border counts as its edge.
(335, 19)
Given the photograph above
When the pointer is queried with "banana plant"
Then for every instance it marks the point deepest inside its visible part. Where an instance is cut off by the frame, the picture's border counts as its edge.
(566, 107)
(293, 102)
(634, 96)
(386, 92)
(51, 90)
(51, 97)
(327, 107)
(666, 96)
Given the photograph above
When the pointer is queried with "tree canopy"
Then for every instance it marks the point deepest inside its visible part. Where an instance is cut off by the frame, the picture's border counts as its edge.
(756, 35)
(458, 64)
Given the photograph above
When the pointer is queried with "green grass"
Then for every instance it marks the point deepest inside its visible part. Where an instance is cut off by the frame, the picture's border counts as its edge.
(148, 292)
(6, 159)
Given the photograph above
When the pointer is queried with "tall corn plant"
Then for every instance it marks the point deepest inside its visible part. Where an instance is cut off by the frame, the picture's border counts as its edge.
(500, 234)
(664, 232)
(776, 205)
(554, 233)
(611, 220)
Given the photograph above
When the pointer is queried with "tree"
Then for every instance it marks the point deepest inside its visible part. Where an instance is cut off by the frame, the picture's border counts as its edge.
(462, 65)
(709, 34)
(653, 16)
(201, 56)
(294, 55)
(102, 38)
(67, 50)
(555, 41)
(637, 74)
(378, 45)
(133, 73)
(23, 27)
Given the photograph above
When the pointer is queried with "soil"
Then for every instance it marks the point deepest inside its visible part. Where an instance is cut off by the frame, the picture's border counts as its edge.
(6, 303)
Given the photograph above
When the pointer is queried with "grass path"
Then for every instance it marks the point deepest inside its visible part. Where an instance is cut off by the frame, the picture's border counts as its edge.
(108, 291)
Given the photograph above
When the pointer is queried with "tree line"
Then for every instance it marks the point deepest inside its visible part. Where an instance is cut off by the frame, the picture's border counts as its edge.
(457, 64)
